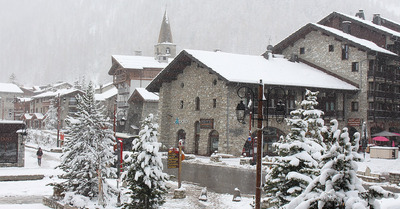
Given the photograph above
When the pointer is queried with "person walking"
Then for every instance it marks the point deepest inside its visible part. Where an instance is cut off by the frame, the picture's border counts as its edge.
(39, 154)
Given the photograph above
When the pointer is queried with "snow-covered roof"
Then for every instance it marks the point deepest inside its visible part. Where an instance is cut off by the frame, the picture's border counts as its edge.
(60, 92)
(106, 94)
(147, 96)
(368, 44)
(10, 88)
(39, 116)
(24, 99)
(250, 69)
(368, 23)
(358, 42)
(11, 122)
(27, 116)
(138, 62)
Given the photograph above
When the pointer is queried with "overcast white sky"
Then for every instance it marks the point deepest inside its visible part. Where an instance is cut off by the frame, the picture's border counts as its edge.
(44, 41)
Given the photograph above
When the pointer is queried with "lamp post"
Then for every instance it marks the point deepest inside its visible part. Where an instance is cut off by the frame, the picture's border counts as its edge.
(59, 118)
(241, 114)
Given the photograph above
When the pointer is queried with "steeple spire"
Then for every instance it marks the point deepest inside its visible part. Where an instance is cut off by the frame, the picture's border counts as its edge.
(165, 31)
(165, 49)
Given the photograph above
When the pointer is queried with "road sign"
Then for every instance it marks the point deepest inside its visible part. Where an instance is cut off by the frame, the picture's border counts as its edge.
(173, 158)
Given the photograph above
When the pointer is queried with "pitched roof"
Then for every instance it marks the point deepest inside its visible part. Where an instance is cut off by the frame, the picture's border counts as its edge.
(145, 95)
(135, 62)
(106, 94)
(239, 68)
(10, 88)
(55, 93)
(360, 43)
(366, 23)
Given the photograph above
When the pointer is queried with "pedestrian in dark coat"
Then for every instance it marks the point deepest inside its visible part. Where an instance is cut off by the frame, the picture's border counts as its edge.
(39, 154)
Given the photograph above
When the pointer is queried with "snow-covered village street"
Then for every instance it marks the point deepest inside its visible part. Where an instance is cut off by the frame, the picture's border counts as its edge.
(200, 104)
(29, 194)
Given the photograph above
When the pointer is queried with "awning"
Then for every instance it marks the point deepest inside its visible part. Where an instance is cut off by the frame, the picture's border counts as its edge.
(386, 133)
(380, 138)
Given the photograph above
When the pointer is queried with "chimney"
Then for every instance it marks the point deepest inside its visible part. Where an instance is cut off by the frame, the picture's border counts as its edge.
(268, 54)
(346, 27)
(138, 53)
(360, 14)
(377, 19)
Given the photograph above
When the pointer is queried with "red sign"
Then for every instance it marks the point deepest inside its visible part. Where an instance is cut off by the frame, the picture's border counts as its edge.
(354, 122)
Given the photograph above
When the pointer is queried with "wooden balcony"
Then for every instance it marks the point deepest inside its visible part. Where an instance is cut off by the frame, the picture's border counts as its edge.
(122, 91)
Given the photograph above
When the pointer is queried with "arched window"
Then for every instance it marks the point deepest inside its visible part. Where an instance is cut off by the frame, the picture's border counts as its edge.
(167, 50)
(197, 103)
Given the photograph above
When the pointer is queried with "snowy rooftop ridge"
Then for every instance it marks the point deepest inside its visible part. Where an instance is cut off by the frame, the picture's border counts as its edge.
(55, 93)
(371, 24)
(138, 62)
(106, 94)
(369, 44)
(275, 71)
(147, 96)
(10, 88)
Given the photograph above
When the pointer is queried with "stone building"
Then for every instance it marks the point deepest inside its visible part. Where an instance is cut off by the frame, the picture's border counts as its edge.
(141, 104)
(65, 99)
(363, 52)
(198, 94)
(12, 143)
(9, 92)
(131, 72)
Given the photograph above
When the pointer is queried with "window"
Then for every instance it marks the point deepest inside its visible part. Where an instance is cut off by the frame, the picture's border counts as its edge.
(354, 106)
(215, 82)
(197, 101)
(214, 103)
(331, 48)
(181, 106)
(355, 67)
(345, 52)
(302, 50)
(168, 50)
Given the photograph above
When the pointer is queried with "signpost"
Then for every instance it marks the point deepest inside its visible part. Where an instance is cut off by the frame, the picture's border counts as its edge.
(175, 158)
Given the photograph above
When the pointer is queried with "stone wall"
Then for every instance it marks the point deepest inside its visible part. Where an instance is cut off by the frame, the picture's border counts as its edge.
(316, 47)
(178, 112)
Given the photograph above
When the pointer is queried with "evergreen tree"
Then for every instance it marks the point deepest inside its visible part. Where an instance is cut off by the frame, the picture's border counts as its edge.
(337, 186)
(144, 176)
(299, 154)
(88, 152)
(51, 118)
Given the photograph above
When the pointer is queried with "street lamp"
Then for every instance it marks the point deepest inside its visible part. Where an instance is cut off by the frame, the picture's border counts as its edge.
(59, 118)
(280, 110)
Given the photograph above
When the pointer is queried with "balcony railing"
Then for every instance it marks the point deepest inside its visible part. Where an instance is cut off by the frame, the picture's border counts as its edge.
(120, 78)
(121, 104)
(123, 91)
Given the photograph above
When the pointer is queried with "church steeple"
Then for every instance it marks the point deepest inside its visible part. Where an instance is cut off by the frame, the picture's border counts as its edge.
(165, 31)
(165, 48)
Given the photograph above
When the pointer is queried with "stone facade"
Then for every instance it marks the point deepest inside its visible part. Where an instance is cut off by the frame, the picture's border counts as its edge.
(181, 113)
(316, 50)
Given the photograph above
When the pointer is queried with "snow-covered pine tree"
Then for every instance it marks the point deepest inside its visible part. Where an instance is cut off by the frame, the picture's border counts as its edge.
(337, 186)
(51, 117)
(89, 149)
(144, 176)
(299, 154)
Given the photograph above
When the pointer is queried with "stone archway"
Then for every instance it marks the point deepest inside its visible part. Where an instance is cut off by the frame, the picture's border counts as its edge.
(271, 135)
(213, 141)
